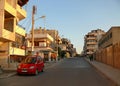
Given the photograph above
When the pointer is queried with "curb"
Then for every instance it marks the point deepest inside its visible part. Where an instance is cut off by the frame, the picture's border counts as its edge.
(8, 75)
(104, 74)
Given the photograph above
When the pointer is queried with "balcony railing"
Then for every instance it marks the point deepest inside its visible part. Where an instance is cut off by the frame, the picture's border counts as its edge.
(40, 49)
(8, 35)
(10, 7)
(21, 13)
(20, 30)
(12, 3)
(91, 42)
(17, 51)
(40, 36)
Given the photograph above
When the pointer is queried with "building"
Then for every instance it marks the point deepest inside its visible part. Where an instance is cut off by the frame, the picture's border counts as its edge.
(67, 49)
(42, 44)
(56, 38)
(52, 33)
(110, 38)
(91, 41)
(11, 34)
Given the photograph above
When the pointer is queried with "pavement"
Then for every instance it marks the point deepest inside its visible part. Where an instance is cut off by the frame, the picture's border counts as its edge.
(7, 73)
(111, 73)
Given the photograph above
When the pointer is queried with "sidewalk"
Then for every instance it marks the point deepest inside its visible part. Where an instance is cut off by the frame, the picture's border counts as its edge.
(11, 72)
(110, 72)
(7, 73)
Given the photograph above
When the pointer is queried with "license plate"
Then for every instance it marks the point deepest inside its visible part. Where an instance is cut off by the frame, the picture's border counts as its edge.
(24, 70)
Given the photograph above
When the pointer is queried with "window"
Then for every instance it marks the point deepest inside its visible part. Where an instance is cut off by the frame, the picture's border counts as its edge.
(36, 43)
(110, 35)
(9, 24)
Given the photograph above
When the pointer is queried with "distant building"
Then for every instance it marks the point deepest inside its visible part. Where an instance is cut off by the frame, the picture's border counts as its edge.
(67, 48)
(53, 33)
(54, 43)
(110, 38)
(91, 41)
(12, 35)
(42, 45)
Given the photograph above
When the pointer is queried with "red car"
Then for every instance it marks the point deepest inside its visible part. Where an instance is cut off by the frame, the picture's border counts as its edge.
(31, 65)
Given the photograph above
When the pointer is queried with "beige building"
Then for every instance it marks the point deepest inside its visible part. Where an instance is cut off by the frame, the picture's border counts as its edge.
(53, 34)
(42, 44)
(110, 38)
(91, 41)
(11, 34)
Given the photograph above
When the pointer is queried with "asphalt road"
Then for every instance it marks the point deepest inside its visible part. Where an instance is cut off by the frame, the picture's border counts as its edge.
(68, 72)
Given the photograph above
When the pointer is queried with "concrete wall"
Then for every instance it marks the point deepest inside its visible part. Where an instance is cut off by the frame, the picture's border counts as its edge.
(116, 34)
(4, 54)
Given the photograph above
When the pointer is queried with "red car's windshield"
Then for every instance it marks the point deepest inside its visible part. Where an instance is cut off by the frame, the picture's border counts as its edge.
(29, 60)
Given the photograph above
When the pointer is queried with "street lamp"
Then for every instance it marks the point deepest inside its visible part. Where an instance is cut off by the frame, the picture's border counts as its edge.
(44, 17)
(33, 21)
(33, 13)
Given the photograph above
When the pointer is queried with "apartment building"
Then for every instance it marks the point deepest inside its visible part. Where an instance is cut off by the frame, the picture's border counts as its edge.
(91, 41)
(11, 34)
(67, 48)
(54, 34)
(110, 38)
(42, 44)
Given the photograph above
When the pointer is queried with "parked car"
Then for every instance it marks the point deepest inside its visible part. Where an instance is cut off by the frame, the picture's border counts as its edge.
(31, 65)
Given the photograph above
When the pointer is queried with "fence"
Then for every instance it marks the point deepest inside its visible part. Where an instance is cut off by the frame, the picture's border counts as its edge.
(109, 55)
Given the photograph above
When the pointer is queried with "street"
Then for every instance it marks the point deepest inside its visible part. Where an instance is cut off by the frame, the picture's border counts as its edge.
(68, 72)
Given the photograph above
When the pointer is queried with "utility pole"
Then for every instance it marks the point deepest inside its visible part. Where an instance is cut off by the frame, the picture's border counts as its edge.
(32, 44)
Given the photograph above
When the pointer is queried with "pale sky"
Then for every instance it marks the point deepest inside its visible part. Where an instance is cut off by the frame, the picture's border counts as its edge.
(74, 18)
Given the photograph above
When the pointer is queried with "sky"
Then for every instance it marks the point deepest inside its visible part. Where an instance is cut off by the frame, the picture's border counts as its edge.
(74, 18)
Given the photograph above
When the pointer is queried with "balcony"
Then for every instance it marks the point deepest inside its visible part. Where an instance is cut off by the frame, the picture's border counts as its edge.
(17, 51)
(91, 38)
(7, 32)
(41, 36)
(90, 47)
(7, 35)
(20, 30)
(10, 8)
(91, 43)
(21, 13)
(89, 52)
(15, 9)
(41, 49)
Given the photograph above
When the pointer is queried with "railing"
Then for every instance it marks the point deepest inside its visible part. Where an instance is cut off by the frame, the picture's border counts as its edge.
(21, 13)
(17, 51)
(47, 36)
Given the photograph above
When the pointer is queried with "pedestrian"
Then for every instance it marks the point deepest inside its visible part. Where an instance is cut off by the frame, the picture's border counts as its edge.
(91, 57)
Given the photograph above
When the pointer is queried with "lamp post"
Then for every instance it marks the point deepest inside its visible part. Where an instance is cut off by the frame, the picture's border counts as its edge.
(33, 21)
(44, 17)
(32, 44)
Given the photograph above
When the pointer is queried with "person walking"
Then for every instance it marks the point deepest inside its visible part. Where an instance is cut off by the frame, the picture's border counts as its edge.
(91, 57)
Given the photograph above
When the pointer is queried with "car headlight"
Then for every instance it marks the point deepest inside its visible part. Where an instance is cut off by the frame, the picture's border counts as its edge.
(19, 66)
(32, 67)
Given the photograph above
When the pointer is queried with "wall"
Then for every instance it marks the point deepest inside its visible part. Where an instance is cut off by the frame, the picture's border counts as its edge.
(109, 55)
(4, 54)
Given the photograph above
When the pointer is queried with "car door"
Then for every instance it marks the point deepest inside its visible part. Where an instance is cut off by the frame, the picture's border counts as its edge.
(40, 64)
